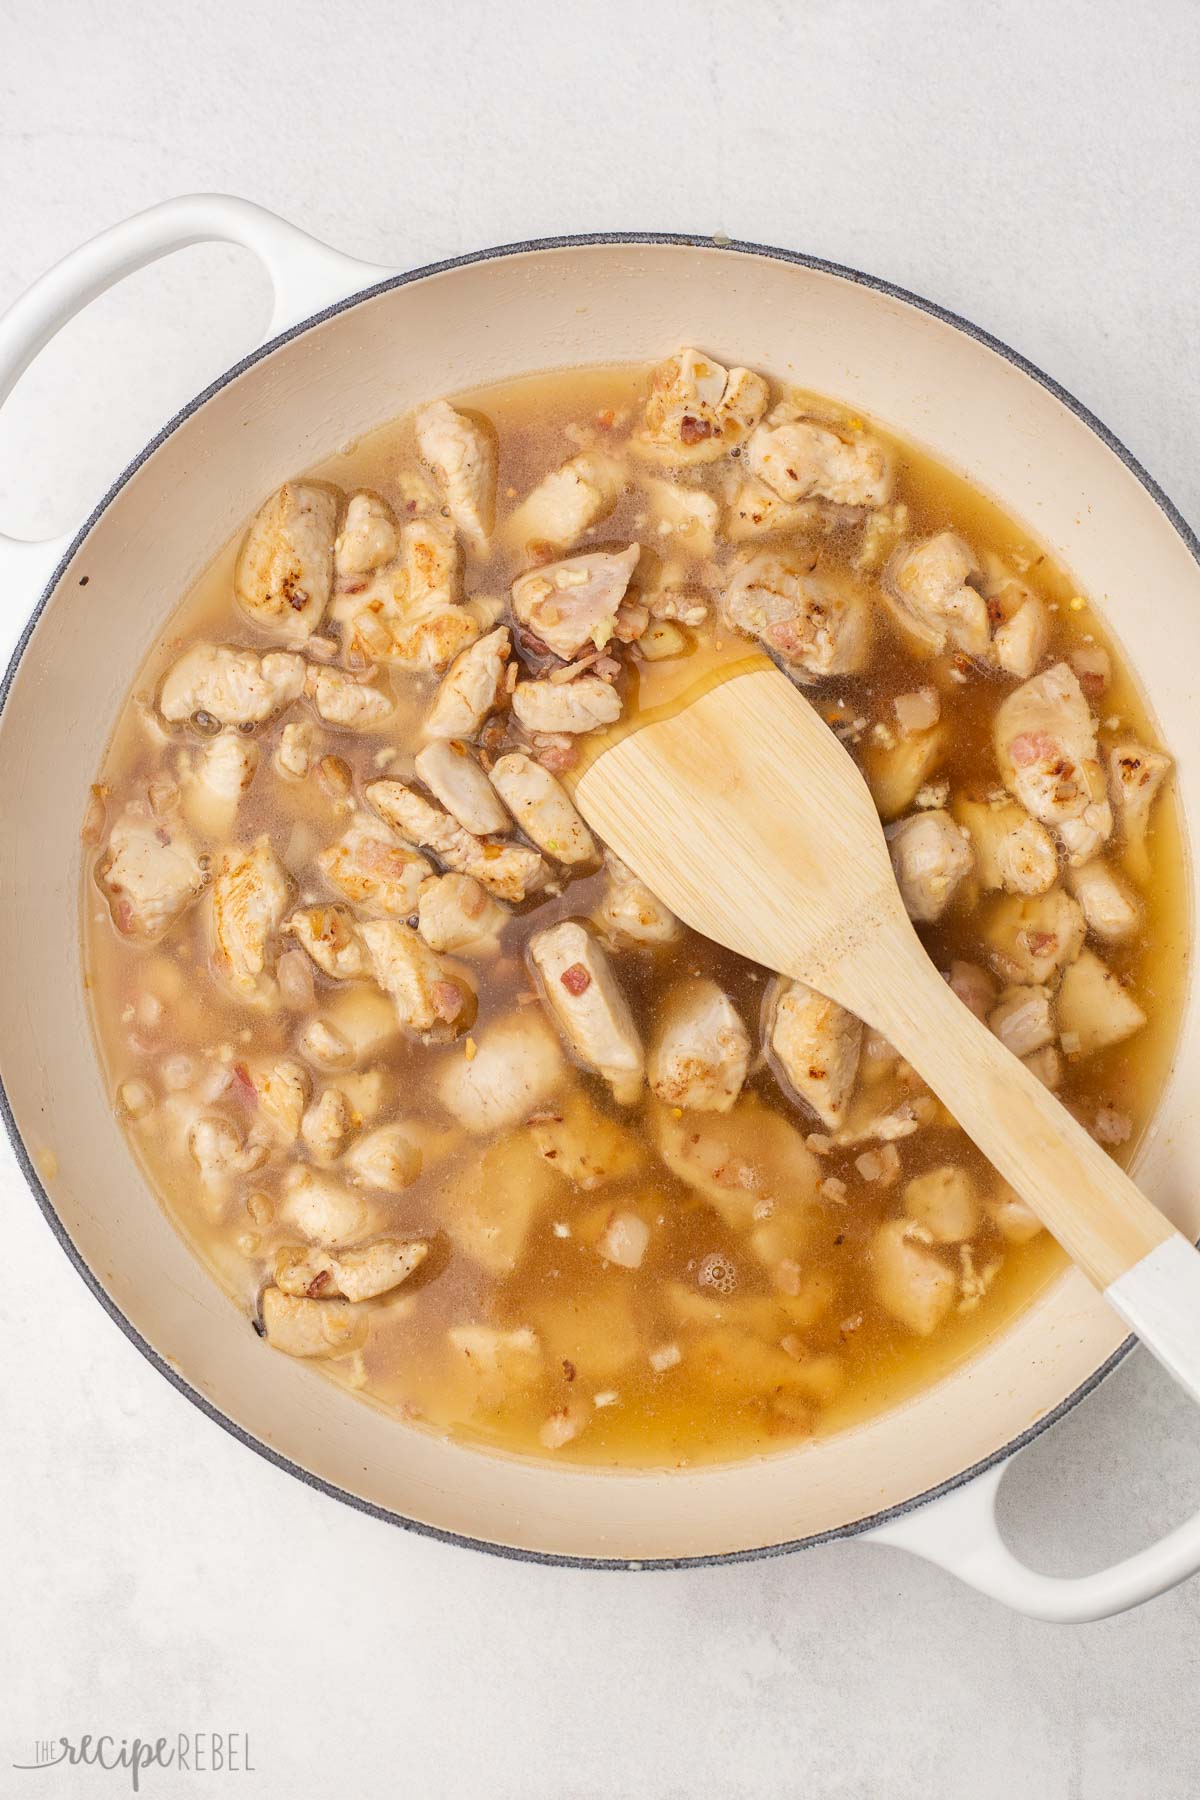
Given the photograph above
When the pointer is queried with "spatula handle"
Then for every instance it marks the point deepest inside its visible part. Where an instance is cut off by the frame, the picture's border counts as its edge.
(1147, 1271)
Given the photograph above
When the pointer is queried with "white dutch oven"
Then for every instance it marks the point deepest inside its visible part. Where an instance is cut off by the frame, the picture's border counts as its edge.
(351, 346)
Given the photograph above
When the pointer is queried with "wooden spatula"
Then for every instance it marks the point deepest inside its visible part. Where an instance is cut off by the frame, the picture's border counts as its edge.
(746, 815)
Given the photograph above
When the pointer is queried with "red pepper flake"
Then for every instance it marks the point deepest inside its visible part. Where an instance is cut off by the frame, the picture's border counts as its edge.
(576, 979)
(694, 431)
(316, 1284)
(568, 1368)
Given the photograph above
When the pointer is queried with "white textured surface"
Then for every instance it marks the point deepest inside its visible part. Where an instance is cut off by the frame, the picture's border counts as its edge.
(1028, 165)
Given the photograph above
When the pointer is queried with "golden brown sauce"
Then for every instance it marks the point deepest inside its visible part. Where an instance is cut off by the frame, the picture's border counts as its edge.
(761, 1362)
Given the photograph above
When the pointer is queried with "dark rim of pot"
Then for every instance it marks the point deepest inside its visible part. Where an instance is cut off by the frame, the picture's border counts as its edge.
(691, 241)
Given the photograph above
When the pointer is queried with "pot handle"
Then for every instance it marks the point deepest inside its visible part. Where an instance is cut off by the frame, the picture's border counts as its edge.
(306, 276)
(958, 1532)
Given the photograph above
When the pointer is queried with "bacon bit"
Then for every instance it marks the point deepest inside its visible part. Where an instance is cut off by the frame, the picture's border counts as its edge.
(556, 757)
(576, 979)
(318, 1282)
(1040, 943)
(1033, 746)
(568, 671)
(447, 1000)
(694, 431)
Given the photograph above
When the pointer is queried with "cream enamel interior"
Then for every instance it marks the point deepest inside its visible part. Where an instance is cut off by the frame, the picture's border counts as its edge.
(459, 328)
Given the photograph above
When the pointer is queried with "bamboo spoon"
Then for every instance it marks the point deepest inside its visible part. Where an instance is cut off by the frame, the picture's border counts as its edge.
(745, 814)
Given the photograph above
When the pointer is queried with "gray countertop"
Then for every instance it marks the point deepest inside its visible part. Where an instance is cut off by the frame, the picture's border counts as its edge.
(1031, 166)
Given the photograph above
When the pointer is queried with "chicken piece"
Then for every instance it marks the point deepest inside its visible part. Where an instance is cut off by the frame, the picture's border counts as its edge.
(1033, 938)
(881, 532)
(462, 454)
(149, 882)
(566, 706)
(406, 968)
(373, 869)
(285, 568)
(911, 1282)
(390, 1158)
(368, 538)
(489, 1205)
(281, 1089)
(1020, 643)
(231, 687)
(931, 856)
(1045, 742)
(352, 705)
(302, 1327)
(698, 411)
(565, 502)
(928, 588)
(295, 752)
(496, 1364)
(471, 688)
(752, 1167)
(218, 1151)
(1136, 775)
(509, 871)
(1112, 913)
(817, 1045)
(1094, 1009)
(896, 772)
(592, 1012)
(1012, 850)
(363, 1020)
(629, 914)
(572, 603)
(541, 808)
(1011, 1216)
(409, 613)
(816, 624)
(323, 1211)
(943, 1200)
(683, 518)
(974, 987)
(219, 777)
(583, 1145)
(456, 913)
(700, 1052)
(326, 1126)
(1023, 1019)
(331, 937)
(517, 1065)
(755, 512)
(250, 896)
(805, 459)
(1047, 1065)
(452, 775)
(361, 1274)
